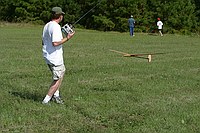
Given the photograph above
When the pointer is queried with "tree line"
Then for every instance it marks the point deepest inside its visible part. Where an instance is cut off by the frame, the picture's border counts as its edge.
(110, 15)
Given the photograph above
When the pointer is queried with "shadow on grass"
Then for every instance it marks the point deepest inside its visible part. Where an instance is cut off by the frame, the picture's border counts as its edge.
(27, 95)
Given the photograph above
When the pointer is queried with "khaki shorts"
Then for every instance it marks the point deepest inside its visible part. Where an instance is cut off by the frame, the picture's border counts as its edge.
(57, 71)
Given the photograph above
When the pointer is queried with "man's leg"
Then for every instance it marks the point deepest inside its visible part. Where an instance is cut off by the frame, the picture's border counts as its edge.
(58, 73)
(56, 96)
(160, 33)
(52, 89)
(57, 93)
(131, 31)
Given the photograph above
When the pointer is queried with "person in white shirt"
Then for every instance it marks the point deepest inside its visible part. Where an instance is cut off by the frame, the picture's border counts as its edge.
(52, 41)
(160, 26)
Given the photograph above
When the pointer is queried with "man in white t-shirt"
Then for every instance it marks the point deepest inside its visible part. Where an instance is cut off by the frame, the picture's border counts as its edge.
(160, 25)
(52, 40)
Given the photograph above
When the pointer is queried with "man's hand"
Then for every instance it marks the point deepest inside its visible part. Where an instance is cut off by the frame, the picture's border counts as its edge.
(69, 36)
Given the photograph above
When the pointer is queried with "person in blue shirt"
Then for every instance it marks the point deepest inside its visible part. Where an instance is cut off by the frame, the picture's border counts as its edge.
(131, 23)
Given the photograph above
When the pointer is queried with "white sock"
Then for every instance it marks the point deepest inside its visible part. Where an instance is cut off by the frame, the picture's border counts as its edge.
(57, 94)
(47, 99)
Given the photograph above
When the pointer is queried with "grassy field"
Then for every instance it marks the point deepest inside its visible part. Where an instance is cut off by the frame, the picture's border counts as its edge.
(103, 91)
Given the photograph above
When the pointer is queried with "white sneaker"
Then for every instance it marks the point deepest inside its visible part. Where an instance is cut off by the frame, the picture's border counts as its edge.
(46, 103)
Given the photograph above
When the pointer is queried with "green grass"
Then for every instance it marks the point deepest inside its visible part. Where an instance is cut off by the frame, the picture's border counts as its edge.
(103, 91)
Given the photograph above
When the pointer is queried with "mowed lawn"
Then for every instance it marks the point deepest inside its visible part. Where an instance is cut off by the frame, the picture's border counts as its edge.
(103, 91)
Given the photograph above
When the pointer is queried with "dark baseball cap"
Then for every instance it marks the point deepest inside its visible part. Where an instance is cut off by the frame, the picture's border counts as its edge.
(57, 10)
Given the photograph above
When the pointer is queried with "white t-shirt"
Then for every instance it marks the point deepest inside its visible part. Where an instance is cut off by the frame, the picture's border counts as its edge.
(159, 24)
(52, 33)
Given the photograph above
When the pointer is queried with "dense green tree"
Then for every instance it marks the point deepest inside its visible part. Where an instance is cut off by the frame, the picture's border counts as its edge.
(197, 10)
(177, 15)
(7, 10)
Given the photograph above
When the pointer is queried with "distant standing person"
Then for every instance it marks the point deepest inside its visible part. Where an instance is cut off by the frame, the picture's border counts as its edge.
(52, 41)
(131, 23)
(160, 26)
